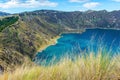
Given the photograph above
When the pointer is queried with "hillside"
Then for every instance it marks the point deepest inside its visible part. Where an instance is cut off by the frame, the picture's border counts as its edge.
(7, 21)
(33, 30)
(4, 13)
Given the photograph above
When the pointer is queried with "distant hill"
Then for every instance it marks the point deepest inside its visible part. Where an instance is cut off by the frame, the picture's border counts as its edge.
(4, 13)
(31, 30)
(77, 19)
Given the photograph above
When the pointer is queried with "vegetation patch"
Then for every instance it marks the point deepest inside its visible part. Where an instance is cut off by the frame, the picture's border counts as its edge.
(5, 22)
(91, 67)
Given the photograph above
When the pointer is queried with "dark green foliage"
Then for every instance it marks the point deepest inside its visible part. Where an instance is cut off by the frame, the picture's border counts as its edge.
(7, 22)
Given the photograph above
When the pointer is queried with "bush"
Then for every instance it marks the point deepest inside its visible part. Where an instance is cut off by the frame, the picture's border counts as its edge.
(7, 22)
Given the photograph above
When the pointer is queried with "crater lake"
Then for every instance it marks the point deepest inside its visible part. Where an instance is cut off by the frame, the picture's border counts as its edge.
(70, 45)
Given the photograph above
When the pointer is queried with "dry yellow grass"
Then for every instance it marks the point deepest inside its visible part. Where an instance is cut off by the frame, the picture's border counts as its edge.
(83, 68)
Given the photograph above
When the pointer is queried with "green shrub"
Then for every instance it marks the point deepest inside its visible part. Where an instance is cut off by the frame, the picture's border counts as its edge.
(7, 22)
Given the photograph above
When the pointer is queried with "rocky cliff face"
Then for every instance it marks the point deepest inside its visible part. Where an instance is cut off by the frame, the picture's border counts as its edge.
(34, 29)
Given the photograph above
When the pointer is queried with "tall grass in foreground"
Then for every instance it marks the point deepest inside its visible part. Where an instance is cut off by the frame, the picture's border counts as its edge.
(91, 67)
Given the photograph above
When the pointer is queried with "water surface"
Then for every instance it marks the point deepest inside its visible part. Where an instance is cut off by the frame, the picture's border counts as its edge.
(73, 44)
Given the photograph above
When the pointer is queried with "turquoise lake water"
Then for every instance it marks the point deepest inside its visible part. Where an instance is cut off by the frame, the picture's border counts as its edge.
(73, 44)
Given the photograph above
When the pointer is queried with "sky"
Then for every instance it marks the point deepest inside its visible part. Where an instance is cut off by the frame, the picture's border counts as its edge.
(17, 6)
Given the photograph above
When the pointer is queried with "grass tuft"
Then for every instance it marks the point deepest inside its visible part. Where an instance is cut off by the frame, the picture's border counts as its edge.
(91, 67)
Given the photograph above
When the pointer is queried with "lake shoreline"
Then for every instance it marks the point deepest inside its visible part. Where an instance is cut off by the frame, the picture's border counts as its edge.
(54, 40)
(103, 28)
(49, 43)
